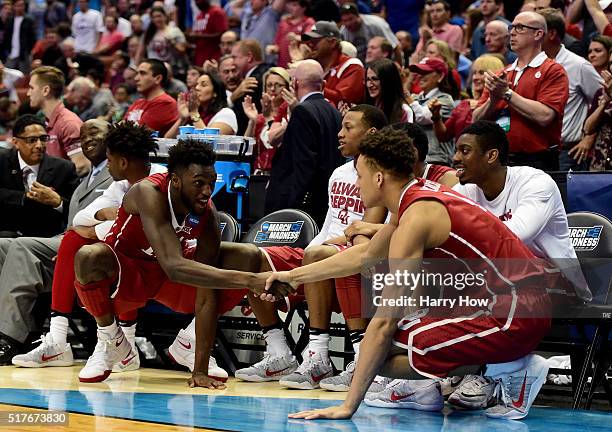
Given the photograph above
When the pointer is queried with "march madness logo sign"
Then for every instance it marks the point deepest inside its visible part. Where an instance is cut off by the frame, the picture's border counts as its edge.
(279, 232)
(585, 238)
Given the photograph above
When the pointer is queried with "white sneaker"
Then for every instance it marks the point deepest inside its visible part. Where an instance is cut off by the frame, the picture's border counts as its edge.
(407, 394)
(182, 351)
(130, 363)
(474, 392)
(379, 384)
(47, 354)
(108, 352)
(518, 390)
(342, 382)
(309, 374)
(269, 369)
(450, 384)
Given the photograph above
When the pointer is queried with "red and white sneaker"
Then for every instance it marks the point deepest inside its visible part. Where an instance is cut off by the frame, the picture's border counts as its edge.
(269, 369)
(47, 354)
(108, 352)
(408, 394)
(309, 374)
(182, 351)
(518, 390)
(130, 363)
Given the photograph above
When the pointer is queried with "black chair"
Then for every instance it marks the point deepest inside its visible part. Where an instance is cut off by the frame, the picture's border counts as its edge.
(230, 230)
(592, 237)
(289, 227)
(582, 330)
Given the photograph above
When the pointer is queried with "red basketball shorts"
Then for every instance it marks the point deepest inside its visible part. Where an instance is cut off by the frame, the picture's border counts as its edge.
(436, 346)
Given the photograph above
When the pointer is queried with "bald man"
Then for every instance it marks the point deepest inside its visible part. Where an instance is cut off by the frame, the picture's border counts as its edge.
(528, 98)
(497, 40)
(309, 152)
(27, 262)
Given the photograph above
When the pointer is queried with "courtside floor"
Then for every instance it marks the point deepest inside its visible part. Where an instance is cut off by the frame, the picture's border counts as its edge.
(159, 400)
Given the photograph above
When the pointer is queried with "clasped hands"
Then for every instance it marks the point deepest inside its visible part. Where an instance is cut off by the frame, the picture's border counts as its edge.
(273, 286)
(496, 85)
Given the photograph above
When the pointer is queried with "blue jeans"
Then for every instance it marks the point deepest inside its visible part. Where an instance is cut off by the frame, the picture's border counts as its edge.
(566, 162)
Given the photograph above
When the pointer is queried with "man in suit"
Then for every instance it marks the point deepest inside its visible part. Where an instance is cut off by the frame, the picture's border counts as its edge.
(248, 57)
(27, 263)
(35, 188)
(309, 152)
(19, 38)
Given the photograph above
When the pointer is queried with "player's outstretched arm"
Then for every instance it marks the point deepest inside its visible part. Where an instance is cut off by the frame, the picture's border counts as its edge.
(413, 236)
(152, 206)
(344, 264)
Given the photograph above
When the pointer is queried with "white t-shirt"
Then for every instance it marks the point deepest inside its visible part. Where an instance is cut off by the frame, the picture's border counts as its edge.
(226, 116)
(345, 205)
(85, 29)
(111, 197)
(531, 207)
(161, 46)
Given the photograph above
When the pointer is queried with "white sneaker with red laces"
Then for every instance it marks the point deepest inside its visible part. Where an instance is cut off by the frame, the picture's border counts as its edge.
(108, 352)
(47, 354)
(182, 351)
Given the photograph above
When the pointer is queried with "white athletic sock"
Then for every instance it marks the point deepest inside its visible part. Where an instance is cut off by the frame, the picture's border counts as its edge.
(130, 334)
(110, 331)
(496, 369)
(59, 329)
(356, 349)
(276, 343)
(190, 329)
(319, 344)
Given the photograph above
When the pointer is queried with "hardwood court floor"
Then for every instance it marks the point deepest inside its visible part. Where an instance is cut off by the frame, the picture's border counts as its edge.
(159, 400)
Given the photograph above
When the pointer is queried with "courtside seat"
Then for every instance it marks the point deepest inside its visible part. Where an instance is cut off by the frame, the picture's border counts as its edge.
(290, 227)
(230, 230)
(583, 330)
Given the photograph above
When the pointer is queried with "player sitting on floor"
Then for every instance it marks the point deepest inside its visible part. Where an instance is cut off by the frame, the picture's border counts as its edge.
(435, 222)
(162, 246)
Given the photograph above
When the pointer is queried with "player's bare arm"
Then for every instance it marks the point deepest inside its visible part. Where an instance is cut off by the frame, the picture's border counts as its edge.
(423, 226)
(147, 201)
(207, 252)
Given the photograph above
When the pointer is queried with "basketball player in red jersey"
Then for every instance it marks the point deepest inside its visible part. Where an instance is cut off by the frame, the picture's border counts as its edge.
(435, 222)
(162, 246)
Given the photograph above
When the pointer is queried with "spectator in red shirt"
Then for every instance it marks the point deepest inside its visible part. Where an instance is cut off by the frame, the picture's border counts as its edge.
(292, 26)
(344, 76)
(111, 40)
(156, 109)
(530, 95)
(209, 24)
(46, 87)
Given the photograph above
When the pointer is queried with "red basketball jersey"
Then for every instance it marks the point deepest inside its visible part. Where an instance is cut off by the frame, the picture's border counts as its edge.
(480, 243)
(433, 172)
(127, 235)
